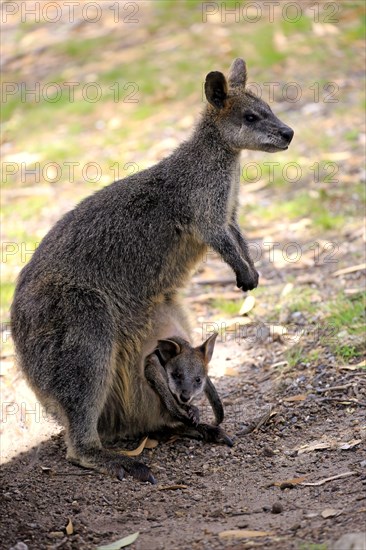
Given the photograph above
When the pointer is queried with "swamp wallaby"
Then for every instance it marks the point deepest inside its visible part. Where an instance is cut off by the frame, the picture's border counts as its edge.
(84, 304)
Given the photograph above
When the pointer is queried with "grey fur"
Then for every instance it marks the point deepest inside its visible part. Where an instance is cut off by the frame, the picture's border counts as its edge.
(84, 305)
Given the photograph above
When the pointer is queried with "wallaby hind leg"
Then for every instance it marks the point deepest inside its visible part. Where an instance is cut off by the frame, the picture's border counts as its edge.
(70, 364)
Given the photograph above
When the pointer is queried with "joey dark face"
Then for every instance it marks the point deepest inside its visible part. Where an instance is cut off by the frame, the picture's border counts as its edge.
(186, 376)
(244, 120)
(186, 366)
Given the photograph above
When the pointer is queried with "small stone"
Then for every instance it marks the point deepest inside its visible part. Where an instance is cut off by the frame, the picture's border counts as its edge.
(267, 451)
(277, 508)
(56, 534)
(266, 508)
(19, 546)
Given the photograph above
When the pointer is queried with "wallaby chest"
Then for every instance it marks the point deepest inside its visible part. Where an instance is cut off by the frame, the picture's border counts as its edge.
(233, 194)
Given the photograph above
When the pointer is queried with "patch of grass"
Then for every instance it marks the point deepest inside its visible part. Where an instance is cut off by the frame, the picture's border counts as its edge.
(313, 546)
(299, 299)
(7, 292)
(351, 135)
(303, 205)
(26, 207)
(304, 23)
(314, 356)
(348, 314)
(294, 356)
(346, 352)
(83, 50)
(230, 307)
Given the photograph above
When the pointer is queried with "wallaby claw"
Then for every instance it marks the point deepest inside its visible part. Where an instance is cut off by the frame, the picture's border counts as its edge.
(214, 434)
(121, 474)
(193, 414)
(229, 442)
(141, 472)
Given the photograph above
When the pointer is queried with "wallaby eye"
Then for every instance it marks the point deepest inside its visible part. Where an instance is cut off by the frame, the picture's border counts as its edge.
(198, 379)
(177, 375)
(250, 117)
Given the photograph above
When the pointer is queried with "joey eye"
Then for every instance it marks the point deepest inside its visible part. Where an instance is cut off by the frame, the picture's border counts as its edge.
(198, 379)
(250, 117)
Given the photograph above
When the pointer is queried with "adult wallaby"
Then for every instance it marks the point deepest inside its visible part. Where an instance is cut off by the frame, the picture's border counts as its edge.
(84, 304)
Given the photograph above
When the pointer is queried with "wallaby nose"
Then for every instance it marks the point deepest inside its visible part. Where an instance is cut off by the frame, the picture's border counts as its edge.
(287, 133)
(184, 397)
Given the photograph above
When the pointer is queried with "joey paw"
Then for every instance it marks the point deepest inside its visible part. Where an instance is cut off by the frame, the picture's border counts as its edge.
(193, 414)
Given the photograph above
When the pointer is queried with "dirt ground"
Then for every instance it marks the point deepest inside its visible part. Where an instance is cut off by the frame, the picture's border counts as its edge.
(290, 369)
(204, 490)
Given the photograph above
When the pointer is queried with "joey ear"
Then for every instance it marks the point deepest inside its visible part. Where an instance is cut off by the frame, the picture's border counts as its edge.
(168, 349)
(207, 347)
(216, 89)
(237, 74)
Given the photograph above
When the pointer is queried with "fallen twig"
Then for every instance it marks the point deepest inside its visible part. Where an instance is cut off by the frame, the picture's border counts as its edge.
(322, 481)
(172, 487)
(345, 401)
(257, 422)
(351, 269)
(335, 388)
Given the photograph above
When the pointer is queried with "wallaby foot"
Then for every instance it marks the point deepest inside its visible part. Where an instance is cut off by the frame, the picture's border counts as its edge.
(111, 463)
(205, 432)
(214, 434)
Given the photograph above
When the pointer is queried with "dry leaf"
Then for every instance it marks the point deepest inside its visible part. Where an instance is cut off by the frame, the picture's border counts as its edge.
(137, 451)
(277, 332)
(350, 444)
(69, 528)
(121, 543)
(230, 371)
(151, 443)
(293, 481)
(172, 487)
(330, 513)
(243, 533)
(316, 445)
(299, 397)
(287, 289)
(247, 305)
(327, 443)
(173, 439)
(235, 321)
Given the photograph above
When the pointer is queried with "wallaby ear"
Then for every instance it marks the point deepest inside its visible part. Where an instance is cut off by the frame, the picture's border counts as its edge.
(168, 349)
(208, 347)
(237, 74)
(216, 89)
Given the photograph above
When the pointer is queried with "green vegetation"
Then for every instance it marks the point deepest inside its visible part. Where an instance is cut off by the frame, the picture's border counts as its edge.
(313, 546)
(229, 307)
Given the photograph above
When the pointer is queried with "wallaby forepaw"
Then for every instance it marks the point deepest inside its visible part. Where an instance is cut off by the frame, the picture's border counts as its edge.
(249, 281)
